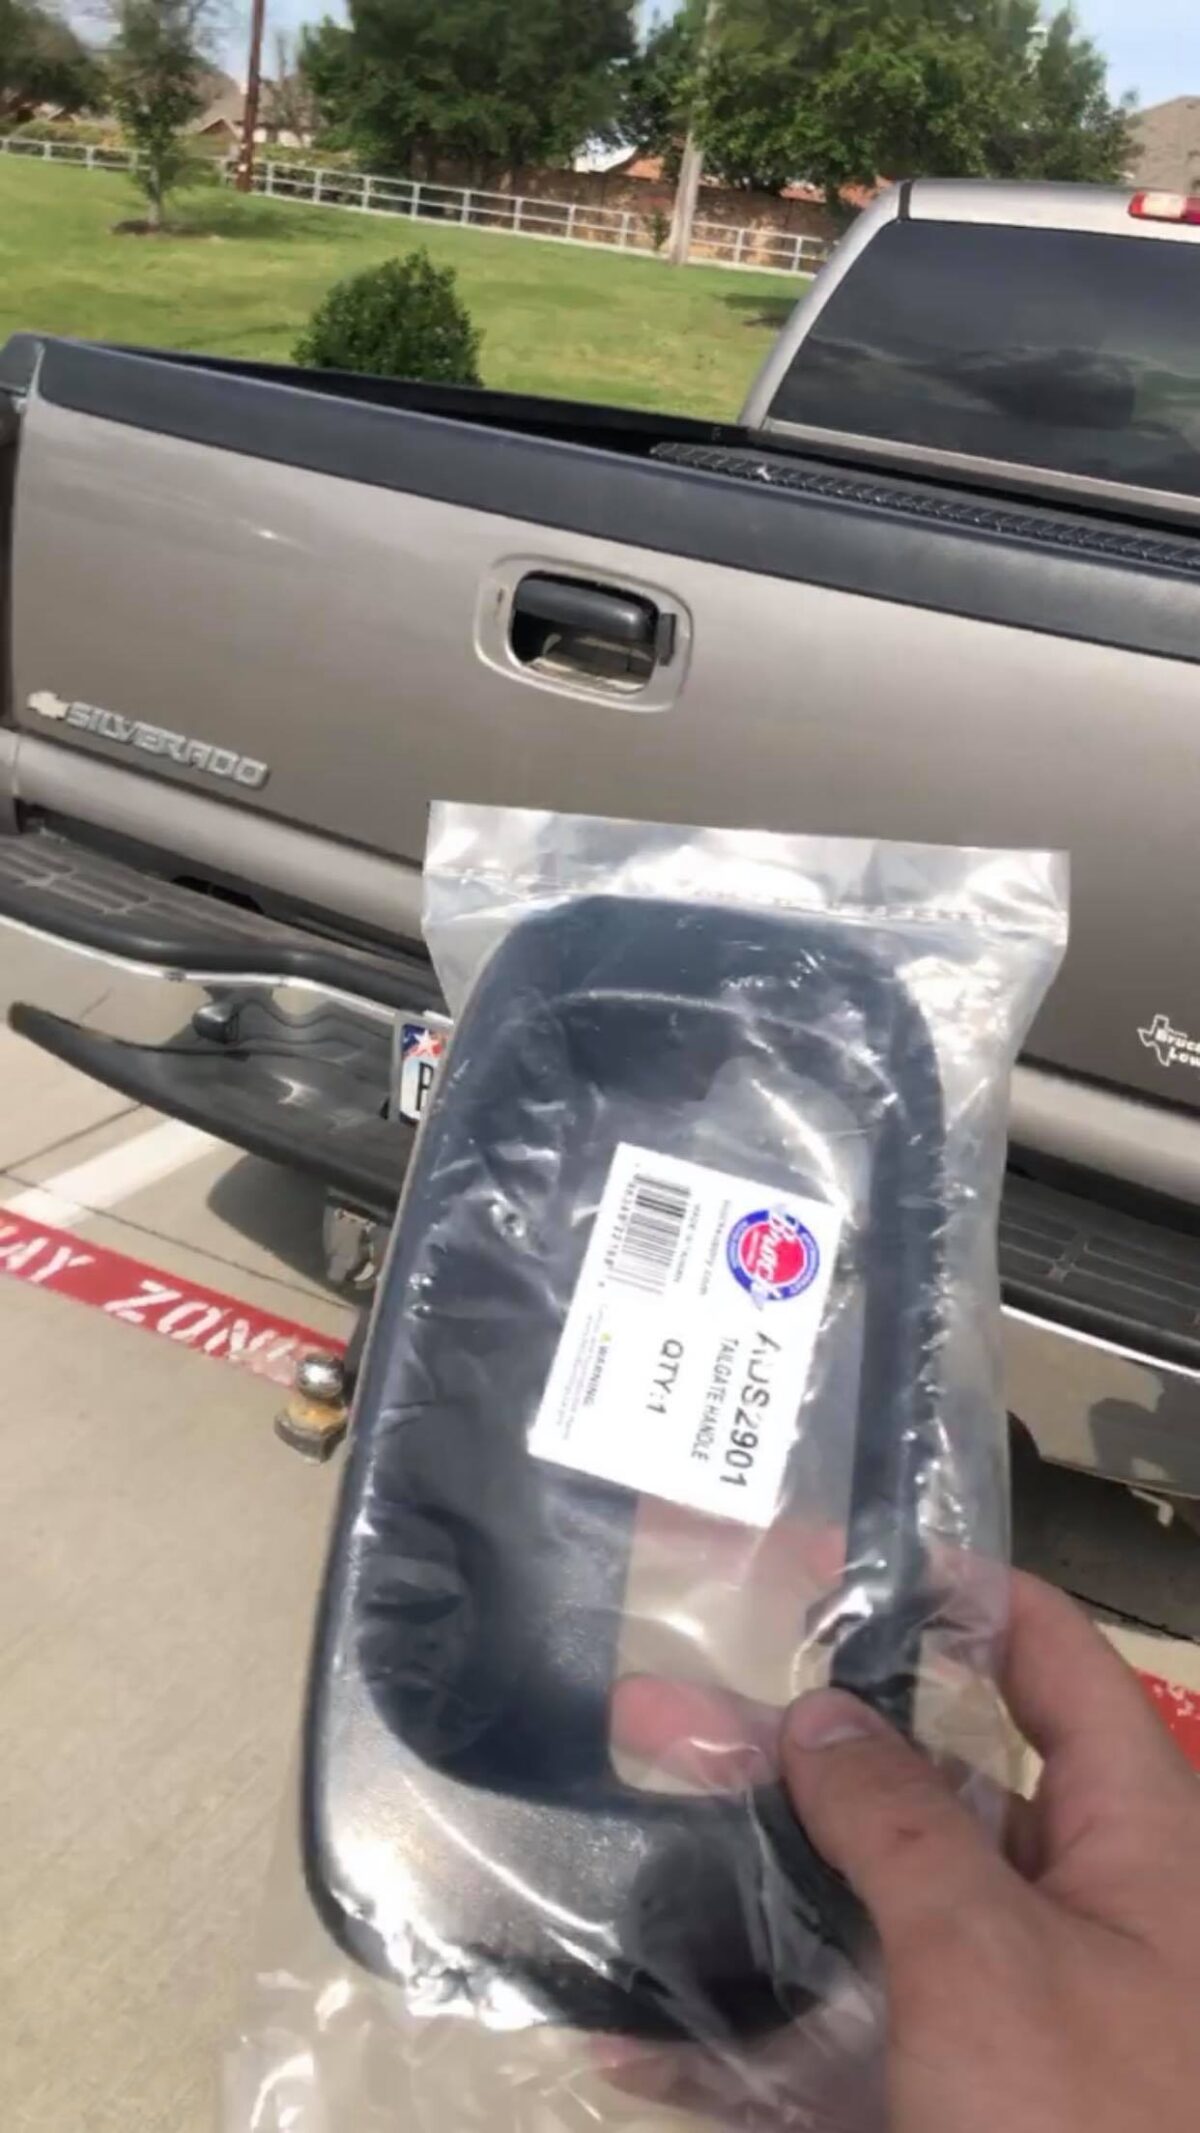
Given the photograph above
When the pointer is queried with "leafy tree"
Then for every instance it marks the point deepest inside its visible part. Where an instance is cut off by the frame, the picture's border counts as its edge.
(659, 85)
(492, 84)
(42, 61)
(404, 319)
(843, 91)
(329, 63)
(157, 61)
(923, 89)
(1073, 130)
(288, 99)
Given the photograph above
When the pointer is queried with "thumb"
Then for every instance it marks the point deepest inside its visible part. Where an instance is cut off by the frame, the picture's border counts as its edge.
(880, 1813)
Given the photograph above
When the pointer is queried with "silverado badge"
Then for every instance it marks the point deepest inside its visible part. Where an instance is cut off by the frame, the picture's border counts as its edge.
(178, 748)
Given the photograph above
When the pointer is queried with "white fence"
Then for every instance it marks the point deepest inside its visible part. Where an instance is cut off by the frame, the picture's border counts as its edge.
(515, 214)
(527, 215)
(87, 153)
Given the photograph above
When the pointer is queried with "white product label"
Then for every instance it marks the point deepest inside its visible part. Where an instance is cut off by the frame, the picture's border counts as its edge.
(687, 1347)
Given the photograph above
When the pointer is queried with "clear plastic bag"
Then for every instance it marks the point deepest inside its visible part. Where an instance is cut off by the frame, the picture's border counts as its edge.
(682, 1396)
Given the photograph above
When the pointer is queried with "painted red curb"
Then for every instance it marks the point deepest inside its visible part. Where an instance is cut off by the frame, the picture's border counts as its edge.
(178, 1310)
(1180, 1708)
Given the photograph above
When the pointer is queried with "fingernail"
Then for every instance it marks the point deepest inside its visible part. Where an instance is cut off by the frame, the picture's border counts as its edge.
(826, 1719)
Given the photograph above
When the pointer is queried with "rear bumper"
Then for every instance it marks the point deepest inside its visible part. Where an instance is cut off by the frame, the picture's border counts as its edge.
(284, 1044)
(1109, 1410)
(277, 1039)
(145, 1003)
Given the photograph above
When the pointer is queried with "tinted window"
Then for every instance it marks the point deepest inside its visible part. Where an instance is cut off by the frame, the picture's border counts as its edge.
(1054, 349)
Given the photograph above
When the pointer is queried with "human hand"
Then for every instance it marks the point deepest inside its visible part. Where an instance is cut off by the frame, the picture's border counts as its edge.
(1056, 1990)
(1052, 1990)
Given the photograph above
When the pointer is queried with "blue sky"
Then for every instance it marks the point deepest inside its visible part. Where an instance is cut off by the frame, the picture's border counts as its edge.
(1153, 46)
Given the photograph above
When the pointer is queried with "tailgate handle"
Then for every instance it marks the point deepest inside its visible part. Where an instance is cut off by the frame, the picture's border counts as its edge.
(600, 631)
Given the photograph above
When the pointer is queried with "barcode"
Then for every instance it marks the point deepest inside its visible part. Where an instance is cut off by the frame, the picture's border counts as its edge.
(648, 1231)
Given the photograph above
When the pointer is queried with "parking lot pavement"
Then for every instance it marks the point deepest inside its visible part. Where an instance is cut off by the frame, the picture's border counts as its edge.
(162, 1552)
(156, 1590)
(161, 1559)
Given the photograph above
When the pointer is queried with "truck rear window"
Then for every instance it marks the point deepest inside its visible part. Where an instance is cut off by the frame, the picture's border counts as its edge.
(1051, 348)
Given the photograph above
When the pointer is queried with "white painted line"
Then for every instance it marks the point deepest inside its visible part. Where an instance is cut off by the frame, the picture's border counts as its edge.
(88, 1188)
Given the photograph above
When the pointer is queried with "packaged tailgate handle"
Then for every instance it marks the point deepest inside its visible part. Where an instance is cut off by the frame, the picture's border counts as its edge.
(458, 1750)
(605, 633)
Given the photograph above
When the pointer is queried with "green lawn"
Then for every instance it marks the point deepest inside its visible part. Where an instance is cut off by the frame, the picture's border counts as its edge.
(556, 318)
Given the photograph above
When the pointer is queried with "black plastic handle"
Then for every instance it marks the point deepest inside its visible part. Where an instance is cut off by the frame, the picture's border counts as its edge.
(465, 1829)
(572, 603)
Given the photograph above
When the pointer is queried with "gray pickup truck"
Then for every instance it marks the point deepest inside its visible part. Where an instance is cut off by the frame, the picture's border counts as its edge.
(942, 582)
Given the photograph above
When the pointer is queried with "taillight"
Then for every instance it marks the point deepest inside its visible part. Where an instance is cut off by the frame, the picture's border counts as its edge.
(1166, 207)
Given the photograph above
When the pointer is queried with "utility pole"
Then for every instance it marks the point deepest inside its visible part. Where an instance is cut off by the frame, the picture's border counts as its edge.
(245, 163)
(687, 192)
(691, 167)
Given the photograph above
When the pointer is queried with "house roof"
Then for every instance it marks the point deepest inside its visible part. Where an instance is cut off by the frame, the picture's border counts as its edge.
(226, 107)
(1172, 103)
(1165, 145)
(600, 156)
(223, 100)
(853, 195)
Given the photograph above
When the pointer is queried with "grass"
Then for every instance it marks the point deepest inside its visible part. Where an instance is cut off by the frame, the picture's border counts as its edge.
(556, 318)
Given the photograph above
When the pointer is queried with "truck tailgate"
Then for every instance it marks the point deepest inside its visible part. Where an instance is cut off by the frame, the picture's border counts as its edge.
(213, 573)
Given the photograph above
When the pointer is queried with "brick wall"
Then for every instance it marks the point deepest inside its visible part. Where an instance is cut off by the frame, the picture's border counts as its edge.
(765, 212)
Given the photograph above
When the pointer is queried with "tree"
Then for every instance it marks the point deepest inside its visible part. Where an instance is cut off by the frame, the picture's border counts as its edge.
(42, 61)
(1074, 131)
(490, 84)
(156, 66)
(966, 91)
(843, 91)
(925, 89)
(659, 85)
(328, 63)
(290, 102)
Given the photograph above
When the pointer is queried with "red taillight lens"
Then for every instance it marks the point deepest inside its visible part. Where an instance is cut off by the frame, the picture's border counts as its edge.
(1166, 207)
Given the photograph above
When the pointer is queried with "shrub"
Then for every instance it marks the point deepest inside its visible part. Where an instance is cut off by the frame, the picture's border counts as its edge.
(311, 158)
(404, 319)
(659, 225)
(96, 133)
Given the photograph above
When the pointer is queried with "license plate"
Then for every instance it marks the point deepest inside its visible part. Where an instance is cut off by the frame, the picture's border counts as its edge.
(419, 1047)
